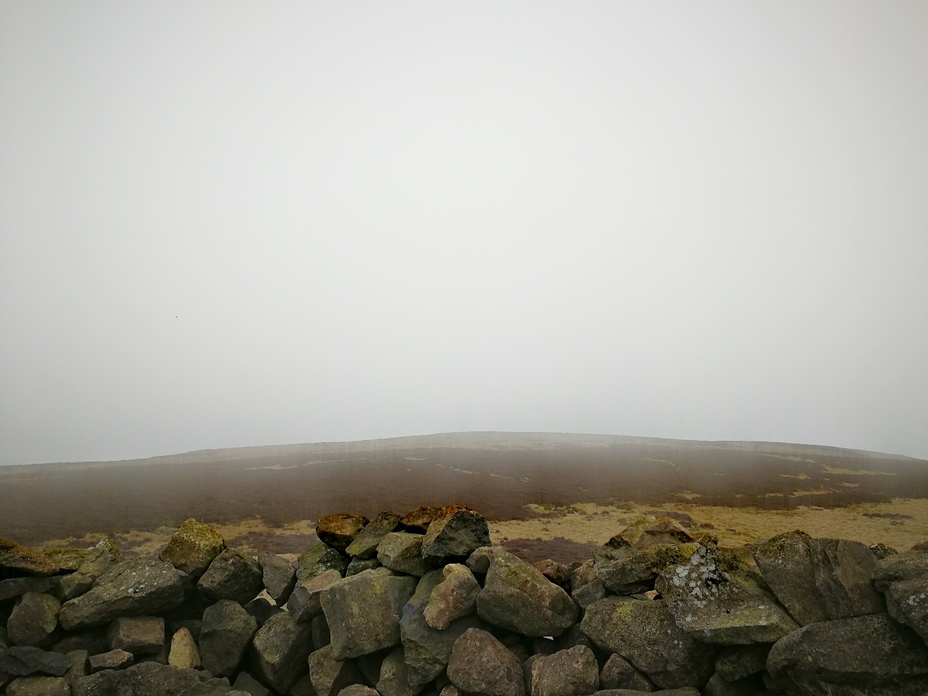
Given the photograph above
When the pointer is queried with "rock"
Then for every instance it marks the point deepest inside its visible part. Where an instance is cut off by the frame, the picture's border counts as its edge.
(517, 597)
(39, 686)
(193, 547)
(34, 620)
(136, 586)
(67, 559)
(305, 602)
(214, 687)
(454, 597)
(225, 635)
(358, 690)
(145, 679)
(139, 635)
(93, 641)
(96, 561)
(339, 530)
(363, 612)
(17, 560)
(555, 572)
(644, 633)
(364, 546)
(261, 609)
(749, 686)
(394, 676)
(402, 552)
(418, 520)
(246, 683)
(79, 667)
(454, 534)
(231, 575)
(572, 672)
(843, 573)
(184, 653)
(328, 675)
(740, 661)
(716, 599)
(359, 565)
(871, 652)
(787, 565)
(318, 559)
(17, 587)
(319, 628)
(618, 673)
(278, 576)
(113, 659)
(281, 648)
(903, 579)
(480, 665)
(591, 592)
(22, 661)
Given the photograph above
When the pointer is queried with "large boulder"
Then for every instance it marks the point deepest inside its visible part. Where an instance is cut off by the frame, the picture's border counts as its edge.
(363, 612)
(305, 600)
(618, 673)
(454, 534)
(869, 654)
(225, 634)
(517, 597)
(903, 579)
(339, 530)
(232, 575)
(480, 665)
(843, 576)
(365, 544)
(644, 633)
(716, 599)
(281, 648)
(34, 620)
(144, 679)
(132, 587)
(571, 672)
(193, 547)
(787, 565)
(17, 560)
(402, 552)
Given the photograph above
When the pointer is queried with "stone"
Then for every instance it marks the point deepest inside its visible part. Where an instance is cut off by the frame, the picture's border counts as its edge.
(246, 683)
(144, 679)
(618, 673)
(843, 573)
(319, 628)
(359, 565)
(22, 661)
(871, 652)
(213, 687)
(136, 586)
(67, 559)
(571, 672)
(418, 520)
(318, 559)
(716, 599)
(262, 608)
(231, 575)
(96, 561)
(394, 676)
(193, 547)
(17, 587)
(281, 648)
(480, 665)
(225, 635)
(517, 597)
(358, 690)
(787, 565)
(39, 686)
(364, 545)
(402, 552)
(455, 596)
(34, 620)
(112, 659)
(644, 633)
(454, 534)
(79, 666)
(278, 576)
(184, 652)
(749, 686)
(737, 662)
(17, 560)
(555, 572)
(363, 612)
(93, 641)
(305, 600)
(139, 635)
(328, 675)
(339, 530)
(591, 592)
(903, 579)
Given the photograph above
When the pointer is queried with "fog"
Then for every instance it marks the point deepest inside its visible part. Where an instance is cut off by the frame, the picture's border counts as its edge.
(228, 223)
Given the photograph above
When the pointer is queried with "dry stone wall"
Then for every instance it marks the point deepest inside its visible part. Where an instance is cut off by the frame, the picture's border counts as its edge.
(422, 604)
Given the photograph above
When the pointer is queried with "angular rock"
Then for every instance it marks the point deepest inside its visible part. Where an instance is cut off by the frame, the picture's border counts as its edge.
(618, 673)
(246, 683)
(112, 659)
(34, 620)
(363, 612)
(318, 559)
(787, 565)
(418, 520)
(394, 676)
(131, 587)
(454, 534)
(843, 572)
(320, 631)
(225, 635)
(278, 576)
(305, 601)
(480, 665)
(329, 676)
(67, 559)
(871, 652)
(903, 579)
(79, 665)
(184, 652)
(22, 661)
(644, 633)
(93, 641)
(591, 592)
(17, 587)
(358, 690)
(555, 572)
(193, 547)
(339, 530)
(364, 546)
(737, 662)
(262, 608)
(402, 552)
(139, 635)
(749, 686)
(281, 648)
(455, 596)
(517, 597)
(96, 561)
(572, 672)
(232, 575)
(716, 599)
(18, 560)
(359, 565)
(38, 686)
(145, 679)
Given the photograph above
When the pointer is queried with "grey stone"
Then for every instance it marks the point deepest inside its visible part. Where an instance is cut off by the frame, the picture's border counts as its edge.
(22, 661)
(454, 597)
(112, 659)
(318, 559)
(454, 534)
(572, 672)
(79, 666)
(246, 683)
(278, 576)
(591, 592)
(139, 635)
(358, 690)
(231, 575)
(319, 628)
(281, 647)
(843, 573)
(329, 675)
(394, 676)
(517, 597)
(97, 561)
(788, 567)
(145, 679)
(39, 686)
(261, 609)
(225, 635)
(644, 633)
(340, 529)
(305, 602)
(618, 673)
(214, 687)
(17, 587)
(903, 579)
(16, 559)
(402, 552)
(480, 665)
(34, 620)
(737, 662)
(359, 565)
(193, 547)
(131, 587)
(364, 546)
(363, 612)
(748, 686)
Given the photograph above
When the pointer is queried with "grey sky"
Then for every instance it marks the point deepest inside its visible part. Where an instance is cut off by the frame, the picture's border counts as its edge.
(240, 223)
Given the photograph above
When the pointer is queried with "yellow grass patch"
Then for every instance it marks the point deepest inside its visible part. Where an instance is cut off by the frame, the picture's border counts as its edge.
(855, 472)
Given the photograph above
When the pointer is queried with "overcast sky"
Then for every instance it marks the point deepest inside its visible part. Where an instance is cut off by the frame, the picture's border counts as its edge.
(245, 223)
